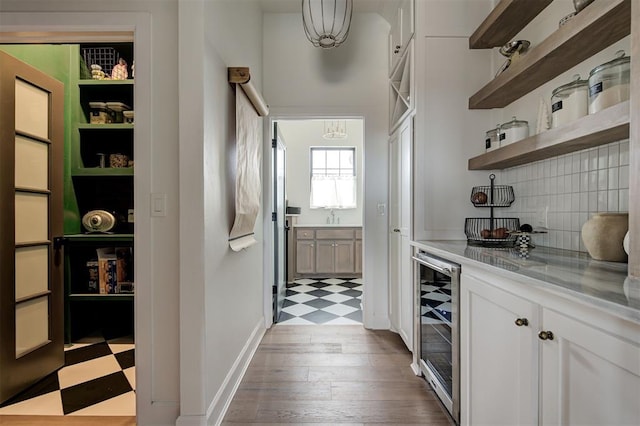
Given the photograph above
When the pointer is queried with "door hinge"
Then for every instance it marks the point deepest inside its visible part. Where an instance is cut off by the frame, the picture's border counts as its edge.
(274, 143)
(274, 217)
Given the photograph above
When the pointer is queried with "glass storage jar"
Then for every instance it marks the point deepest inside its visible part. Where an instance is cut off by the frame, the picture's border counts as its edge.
(569, 102)
(513, 131)
(492, 139)
(609, 83)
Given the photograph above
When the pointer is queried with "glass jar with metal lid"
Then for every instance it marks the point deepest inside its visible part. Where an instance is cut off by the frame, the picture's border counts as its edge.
(569, 102)
(492, 139)
(609, 83)
(513, 131)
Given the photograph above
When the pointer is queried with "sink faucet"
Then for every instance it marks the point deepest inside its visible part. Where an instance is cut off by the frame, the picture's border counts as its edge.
(333, 216)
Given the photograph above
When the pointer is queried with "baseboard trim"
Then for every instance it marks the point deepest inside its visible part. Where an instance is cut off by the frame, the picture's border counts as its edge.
(222, 400)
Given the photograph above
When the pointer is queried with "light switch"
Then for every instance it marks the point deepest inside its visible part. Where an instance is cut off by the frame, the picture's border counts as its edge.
(158, 204)
(382, 209)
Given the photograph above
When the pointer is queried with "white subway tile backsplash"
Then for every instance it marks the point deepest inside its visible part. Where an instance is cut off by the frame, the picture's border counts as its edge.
(623, 177)
(613, 178)
(603, 157)
(624, 153)
(614, 155)
(573, 186)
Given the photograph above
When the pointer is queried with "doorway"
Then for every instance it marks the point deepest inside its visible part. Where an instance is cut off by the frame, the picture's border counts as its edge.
(98, 361)
(323, 199)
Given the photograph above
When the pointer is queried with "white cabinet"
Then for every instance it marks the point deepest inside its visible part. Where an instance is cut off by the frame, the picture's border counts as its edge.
(567, 364)
(589, 375)
(401, 296)
(498, 371)
(402, 29)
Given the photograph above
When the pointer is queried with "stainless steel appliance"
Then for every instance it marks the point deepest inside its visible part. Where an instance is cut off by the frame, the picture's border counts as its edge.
(438, 298)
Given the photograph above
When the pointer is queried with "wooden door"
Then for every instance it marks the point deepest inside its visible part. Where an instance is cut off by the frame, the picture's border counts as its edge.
(590, 372)
(31, 268)
(497, 357)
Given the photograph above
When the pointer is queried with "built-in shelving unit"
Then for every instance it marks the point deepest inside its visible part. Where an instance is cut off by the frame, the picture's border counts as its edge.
(597, 26)
(400, 87)
(609, 125)
(505, 21)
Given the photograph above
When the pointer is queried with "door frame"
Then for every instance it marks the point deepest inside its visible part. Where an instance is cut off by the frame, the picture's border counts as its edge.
(84, 27)
(369, 298)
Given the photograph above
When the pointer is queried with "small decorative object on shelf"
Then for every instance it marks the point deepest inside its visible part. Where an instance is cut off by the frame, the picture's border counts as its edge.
(119, 71)
(492, 231)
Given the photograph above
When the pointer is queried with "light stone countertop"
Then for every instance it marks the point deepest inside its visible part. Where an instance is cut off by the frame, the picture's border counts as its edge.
(327, 225)
(572, 273)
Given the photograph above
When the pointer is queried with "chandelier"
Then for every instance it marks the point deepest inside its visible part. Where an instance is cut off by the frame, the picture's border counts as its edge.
(327, 22)
(335, 130)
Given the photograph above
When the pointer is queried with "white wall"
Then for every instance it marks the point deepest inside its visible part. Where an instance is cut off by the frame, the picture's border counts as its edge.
(299, 136)
(222, 291)
(303, 81)
(446, 131)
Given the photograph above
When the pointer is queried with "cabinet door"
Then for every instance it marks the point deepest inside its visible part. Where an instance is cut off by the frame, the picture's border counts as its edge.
(589, 376)
(358, 257)
(395, 41)
(497, 357)
(406, 22)
(344, 260)
(325, 257)
(305, 256)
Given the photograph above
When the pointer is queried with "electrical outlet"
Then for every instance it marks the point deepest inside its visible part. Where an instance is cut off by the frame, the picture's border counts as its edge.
(541, 217)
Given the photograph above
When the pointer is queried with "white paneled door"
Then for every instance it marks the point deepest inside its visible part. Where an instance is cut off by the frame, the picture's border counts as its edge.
(401, 296)
(31, 266)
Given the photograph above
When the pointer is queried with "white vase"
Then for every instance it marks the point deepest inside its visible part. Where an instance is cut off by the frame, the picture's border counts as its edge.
(603, 235)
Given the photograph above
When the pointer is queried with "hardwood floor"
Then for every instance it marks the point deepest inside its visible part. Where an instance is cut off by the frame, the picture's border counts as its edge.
(66, 420)
(333, 375)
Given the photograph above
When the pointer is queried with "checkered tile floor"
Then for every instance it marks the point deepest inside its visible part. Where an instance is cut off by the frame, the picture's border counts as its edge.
(330, 301)
(98, 379)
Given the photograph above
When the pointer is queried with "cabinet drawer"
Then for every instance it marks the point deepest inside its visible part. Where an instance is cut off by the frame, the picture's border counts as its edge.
(334, 234)
(305, 234)
(359, 234)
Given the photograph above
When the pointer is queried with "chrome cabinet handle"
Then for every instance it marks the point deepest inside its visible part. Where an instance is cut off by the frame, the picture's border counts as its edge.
(545, 335)
(522, 321)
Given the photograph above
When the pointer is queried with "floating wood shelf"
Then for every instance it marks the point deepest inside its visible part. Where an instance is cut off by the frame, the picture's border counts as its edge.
(597, 26)
(99, 238)
(609, 125)
(505, 21)
(89, 82)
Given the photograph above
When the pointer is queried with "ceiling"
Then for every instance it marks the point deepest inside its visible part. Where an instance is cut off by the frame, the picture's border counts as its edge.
(295, 6)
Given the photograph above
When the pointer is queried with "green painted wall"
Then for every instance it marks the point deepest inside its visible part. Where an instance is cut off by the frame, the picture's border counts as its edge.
(61, 62)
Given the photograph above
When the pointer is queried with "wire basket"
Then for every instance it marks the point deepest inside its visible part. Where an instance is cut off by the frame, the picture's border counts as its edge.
(106, 57)
(491, 232)
(492, 196)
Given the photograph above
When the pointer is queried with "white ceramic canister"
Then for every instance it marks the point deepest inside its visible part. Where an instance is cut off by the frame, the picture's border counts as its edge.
(569, 102)
(513, 131)
(609, 83)
(492, 139)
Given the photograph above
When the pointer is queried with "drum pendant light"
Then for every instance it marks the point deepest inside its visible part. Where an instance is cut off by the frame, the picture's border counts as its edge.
(327, 22)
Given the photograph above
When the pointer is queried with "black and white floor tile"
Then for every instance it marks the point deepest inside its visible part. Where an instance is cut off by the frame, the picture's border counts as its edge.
(329, 301)
(435, 301)
(98, 379)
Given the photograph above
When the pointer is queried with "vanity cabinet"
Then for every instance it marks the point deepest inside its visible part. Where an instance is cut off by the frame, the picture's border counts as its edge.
(532, 357)
(328, 252)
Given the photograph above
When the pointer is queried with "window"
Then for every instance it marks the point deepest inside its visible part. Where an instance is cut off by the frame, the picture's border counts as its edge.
(333, 178)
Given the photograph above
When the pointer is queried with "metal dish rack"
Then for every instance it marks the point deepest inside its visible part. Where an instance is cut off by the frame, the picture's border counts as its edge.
(492, 231)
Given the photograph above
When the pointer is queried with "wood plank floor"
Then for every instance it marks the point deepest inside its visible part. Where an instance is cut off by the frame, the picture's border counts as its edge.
(66, 420)
(338, 375)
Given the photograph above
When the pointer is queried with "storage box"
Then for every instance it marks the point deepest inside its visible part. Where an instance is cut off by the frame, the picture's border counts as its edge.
(116, 109)
(99, 113)
(93, 276)
(107, 270)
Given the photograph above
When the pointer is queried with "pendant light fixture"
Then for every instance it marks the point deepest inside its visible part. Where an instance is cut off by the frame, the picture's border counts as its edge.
(335, 129)
(327, 22)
